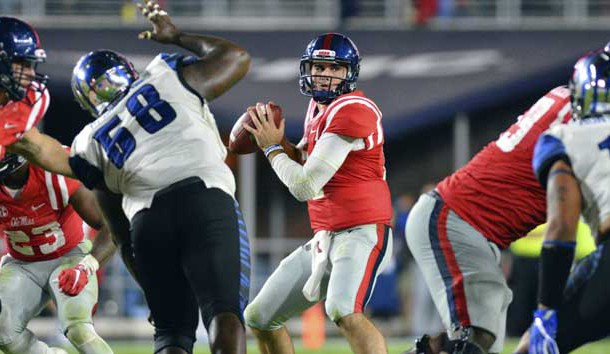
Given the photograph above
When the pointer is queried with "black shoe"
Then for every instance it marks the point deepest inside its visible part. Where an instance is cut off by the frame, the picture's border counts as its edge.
(422, 346)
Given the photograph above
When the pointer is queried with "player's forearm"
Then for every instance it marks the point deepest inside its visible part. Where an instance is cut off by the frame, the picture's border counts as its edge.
(563, 203)
(303, 183)
(221, 65)
(306, 182)
(203, 46)
(103, 247)
(557, 255)
(44, 151)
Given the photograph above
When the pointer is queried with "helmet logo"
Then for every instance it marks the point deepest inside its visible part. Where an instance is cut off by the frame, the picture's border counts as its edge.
(28, 40)
(324, 54)
(40, 53)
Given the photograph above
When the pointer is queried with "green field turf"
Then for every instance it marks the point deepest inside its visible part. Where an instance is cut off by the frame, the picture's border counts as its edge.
(337, 346)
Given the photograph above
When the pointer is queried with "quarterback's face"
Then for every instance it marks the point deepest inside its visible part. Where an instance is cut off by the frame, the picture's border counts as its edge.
(327, 76)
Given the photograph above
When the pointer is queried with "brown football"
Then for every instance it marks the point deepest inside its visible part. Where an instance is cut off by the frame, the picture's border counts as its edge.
(240, 141)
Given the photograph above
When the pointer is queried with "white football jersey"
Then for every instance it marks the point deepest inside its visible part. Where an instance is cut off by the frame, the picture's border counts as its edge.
(587, 144)
(161, 132)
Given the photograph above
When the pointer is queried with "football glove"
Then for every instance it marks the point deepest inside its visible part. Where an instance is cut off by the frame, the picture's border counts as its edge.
(73, 280)
(543, 332)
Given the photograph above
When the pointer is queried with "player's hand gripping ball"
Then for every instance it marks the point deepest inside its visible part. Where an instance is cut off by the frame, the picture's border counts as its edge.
(242, 142)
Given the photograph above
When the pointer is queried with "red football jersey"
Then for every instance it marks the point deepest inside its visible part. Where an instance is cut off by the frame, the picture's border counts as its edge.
(17, 117)
(358, 193)
(497, 192)
(39, 223)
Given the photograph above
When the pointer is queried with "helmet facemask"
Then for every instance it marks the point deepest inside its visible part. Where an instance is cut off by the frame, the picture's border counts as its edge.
(341, 86)
(9, 164)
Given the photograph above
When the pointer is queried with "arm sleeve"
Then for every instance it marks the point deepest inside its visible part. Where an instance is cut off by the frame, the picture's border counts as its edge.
(549, 149)
(356, 119)
(72, 184)
(305, 182)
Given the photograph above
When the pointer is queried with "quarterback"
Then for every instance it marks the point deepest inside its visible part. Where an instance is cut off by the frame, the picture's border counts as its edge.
(348, 199)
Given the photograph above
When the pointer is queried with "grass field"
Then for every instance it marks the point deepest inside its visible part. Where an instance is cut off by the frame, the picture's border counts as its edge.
(338, 346)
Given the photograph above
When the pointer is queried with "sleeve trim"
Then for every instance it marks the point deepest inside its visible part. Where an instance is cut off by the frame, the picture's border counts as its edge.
(90, 175)
(182, 64)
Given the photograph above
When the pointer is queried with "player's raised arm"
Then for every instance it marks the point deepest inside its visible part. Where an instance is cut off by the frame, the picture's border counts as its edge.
(221, 63)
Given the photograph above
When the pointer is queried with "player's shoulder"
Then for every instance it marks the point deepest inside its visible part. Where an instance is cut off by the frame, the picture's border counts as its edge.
(38, 176)
(355, 102)
(169, 61)
(592, 126)
(560, 93)
(85, 137)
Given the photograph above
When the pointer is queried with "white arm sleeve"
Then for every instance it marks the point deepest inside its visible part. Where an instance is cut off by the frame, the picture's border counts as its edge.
(305, 182)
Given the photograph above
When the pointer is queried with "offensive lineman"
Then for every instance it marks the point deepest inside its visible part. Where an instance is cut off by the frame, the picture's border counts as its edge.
(343, 182)
(155, 142)
(573, 163)
(455, 232)
(40, 213)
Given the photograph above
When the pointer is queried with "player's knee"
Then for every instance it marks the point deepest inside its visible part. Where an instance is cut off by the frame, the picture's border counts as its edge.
(81, 333)
(257, 319)
(166, 339)
(7, 329)
(219, 312)
(336, 311)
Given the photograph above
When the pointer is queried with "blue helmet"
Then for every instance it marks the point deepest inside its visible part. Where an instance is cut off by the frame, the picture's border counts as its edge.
(10, 163)
(101, 78)
(333, 48)
(590, 85)
(19, 43)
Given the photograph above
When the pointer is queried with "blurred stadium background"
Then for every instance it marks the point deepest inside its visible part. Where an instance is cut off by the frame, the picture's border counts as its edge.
(449, 75)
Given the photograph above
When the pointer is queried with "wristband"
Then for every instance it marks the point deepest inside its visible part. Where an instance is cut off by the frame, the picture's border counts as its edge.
(555, 262)
(271, 148)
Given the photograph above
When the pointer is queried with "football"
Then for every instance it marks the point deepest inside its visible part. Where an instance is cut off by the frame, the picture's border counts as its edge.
(241, 141)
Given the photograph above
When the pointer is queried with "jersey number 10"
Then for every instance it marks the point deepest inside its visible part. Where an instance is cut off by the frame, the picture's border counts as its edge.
(153, 116)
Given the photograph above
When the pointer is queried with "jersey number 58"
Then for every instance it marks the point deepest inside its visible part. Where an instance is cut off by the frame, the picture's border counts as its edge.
(153, 116)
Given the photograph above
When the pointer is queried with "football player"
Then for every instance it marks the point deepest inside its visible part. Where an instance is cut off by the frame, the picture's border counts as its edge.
(42, 217)
(155, 141)
(343, 182)
(573, 164)
(456, 231)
